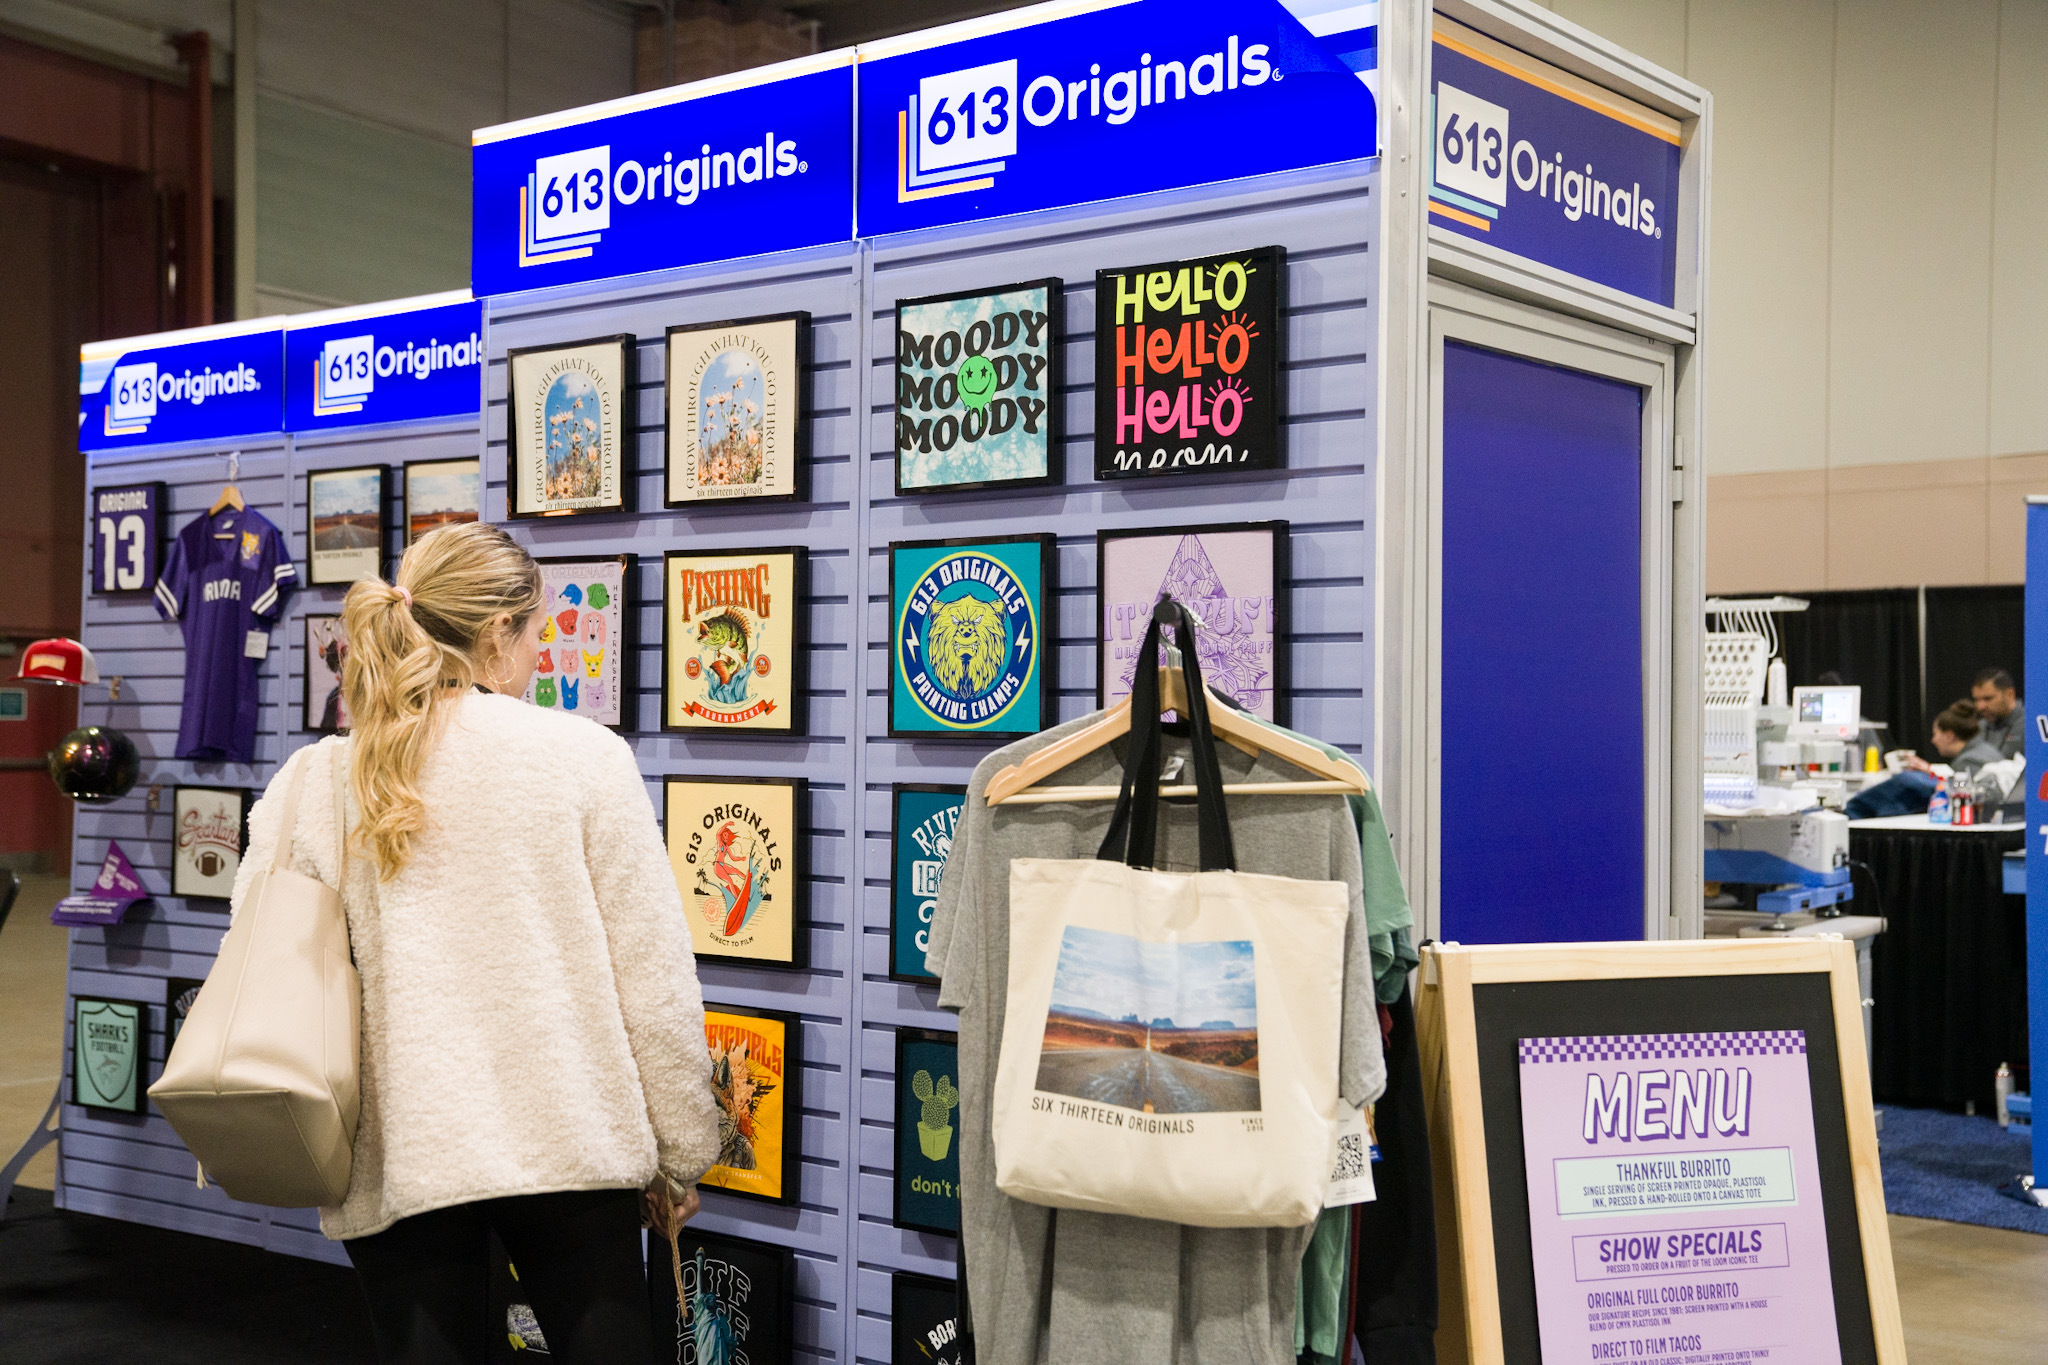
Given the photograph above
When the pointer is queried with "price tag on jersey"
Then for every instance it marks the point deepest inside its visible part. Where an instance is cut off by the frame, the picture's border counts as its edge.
(257, 644)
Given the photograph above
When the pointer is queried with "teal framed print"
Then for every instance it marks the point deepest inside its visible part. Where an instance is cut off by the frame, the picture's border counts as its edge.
(967, 651)
(928, 1130)
(923, 817)
(109, 1051)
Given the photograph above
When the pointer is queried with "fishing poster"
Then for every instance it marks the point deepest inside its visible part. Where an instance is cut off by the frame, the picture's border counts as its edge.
(1675, 1200)
(733, 636)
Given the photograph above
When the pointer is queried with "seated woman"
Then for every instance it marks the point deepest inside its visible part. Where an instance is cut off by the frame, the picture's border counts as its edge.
(1956, 739)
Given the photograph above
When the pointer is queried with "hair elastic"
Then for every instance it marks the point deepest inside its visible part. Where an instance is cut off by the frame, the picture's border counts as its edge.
(406, 593)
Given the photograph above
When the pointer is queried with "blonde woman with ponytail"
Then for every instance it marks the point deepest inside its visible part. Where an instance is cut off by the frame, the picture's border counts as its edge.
(533, 1050)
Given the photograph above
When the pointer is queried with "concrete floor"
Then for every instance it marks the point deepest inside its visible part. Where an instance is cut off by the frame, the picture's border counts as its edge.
(1969, 1295)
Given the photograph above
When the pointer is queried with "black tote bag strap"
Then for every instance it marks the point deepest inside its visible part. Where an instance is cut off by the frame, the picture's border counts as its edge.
(1133, 831)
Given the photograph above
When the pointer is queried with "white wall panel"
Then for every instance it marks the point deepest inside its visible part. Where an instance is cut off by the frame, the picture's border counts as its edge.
(2019, 249)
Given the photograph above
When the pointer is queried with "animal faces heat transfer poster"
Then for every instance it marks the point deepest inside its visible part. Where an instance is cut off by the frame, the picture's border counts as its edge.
(752, 1068)
(967, 655)
(1674, 1199)
(1187, 366)
(734, 846)
(735, 409)
(582, 641)
(567, 427)
(1228, 576)
(974, 388)
(731, 643)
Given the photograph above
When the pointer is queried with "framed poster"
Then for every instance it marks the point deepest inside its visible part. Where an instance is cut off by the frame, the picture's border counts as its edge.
(442, 493)
(924, 1321)
(212, 829)
(568, 424)
(1672, 1139)
(323, 707)
(1231, 577)
(1188, 358)
(179, 993)
(127, 537)
(927, 1138)
(109, 1054)
(736, 1306)
(737, 847)
(921, 824)
(966, 649)
(738, 423)
(344, 524)
(732, 648)
(586, 643)
(757, 1081)
(977, 374)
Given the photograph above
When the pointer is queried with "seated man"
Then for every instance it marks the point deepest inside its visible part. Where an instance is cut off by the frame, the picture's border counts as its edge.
(1955, 739)
(2001, 715)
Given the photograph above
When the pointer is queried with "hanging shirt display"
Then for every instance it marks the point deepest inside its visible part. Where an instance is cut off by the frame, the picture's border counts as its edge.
(226, 579)
(1078, 1288)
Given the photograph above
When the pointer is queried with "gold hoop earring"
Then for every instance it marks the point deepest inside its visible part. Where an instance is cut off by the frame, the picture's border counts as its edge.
(492, 674)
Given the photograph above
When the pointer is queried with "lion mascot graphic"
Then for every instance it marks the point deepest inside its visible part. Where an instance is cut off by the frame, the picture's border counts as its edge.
(966, 645)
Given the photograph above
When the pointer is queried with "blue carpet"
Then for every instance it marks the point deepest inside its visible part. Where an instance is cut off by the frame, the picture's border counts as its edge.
(1946, 1166)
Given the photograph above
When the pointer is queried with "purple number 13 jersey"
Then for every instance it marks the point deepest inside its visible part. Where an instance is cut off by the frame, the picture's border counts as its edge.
(225, 581)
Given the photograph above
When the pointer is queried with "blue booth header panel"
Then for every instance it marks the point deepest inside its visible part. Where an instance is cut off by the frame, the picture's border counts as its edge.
(205, 384)
(413, 360)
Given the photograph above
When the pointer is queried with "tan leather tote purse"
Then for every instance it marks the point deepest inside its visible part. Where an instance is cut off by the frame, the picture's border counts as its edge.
(262, 1082)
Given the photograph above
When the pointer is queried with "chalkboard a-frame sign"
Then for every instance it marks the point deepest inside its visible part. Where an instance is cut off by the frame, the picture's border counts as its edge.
(1526, 1046)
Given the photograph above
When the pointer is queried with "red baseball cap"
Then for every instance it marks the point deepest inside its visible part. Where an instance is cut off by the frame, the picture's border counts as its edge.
(59, 661)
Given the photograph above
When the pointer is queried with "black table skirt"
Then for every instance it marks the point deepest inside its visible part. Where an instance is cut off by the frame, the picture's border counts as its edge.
(1950, 970)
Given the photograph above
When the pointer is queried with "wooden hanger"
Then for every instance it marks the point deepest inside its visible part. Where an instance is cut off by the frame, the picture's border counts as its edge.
(1017, 784)
(230, 496)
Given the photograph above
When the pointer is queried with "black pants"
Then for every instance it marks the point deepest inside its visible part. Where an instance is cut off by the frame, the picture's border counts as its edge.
(578, 1257)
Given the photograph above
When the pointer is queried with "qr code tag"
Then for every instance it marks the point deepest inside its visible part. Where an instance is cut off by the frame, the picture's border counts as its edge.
(1350, 1159)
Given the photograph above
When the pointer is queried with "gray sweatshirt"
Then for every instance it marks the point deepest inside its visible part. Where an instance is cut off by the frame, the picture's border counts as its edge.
(1058, 1285)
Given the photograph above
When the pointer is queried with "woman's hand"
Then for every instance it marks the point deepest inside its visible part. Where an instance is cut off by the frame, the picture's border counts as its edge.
(665, 1206)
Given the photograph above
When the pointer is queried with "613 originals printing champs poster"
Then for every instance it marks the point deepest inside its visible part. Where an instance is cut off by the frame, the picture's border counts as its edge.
(1674, 1199)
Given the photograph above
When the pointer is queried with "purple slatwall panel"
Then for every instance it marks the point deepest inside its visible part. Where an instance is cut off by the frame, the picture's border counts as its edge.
(841, 1230)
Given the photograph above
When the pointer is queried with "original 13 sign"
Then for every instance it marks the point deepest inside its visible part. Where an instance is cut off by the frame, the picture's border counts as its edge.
(1187, 366)
(127, 525)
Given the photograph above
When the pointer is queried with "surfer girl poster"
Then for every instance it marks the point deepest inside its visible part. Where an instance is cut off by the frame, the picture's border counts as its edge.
(736, 846)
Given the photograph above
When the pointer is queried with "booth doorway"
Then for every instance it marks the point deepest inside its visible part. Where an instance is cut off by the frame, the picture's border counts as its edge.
(1550, 625)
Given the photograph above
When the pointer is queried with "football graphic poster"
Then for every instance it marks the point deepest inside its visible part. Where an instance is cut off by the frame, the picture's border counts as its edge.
(1675, 1198)
(583, 641)
(109, 1042)
(924, 818)
(975, 389)
(344, 524)
(568, 426)
(732, 648)
(324, 709)
(757, 1082)
(210, 828)
(1231, 577)
(736, 846)
(1188, 357)
(736, 410)
(924, 1321)
(967, 653)
(442, 493)
(927, 1130)
(736, 1305)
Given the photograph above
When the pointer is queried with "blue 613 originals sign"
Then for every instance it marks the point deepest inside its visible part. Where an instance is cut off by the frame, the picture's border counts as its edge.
(753, 163)
(408, 361)
(211, 383)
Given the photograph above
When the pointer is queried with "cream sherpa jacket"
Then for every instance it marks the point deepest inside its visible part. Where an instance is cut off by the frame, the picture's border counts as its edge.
(531, 1015)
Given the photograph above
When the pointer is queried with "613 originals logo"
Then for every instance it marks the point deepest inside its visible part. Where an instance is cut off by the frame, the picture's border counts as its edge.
(138, 388)
(960, 128)
(1474, 160)
(565, 207)
(349, 367)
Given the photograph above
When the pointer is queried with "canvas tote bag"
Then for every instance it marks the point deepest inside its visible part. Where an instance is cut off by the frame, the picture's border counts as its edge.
(262, 1082)
(1170, 1039)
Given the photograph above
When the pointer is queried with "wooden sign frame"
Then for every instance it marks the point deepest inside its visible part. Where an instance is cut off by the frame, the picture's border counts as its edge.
(1449, 1025)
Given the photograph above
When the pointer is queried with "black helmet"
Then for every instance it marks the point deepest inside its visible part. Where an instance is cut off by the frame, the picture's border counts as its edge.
(95, 763)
